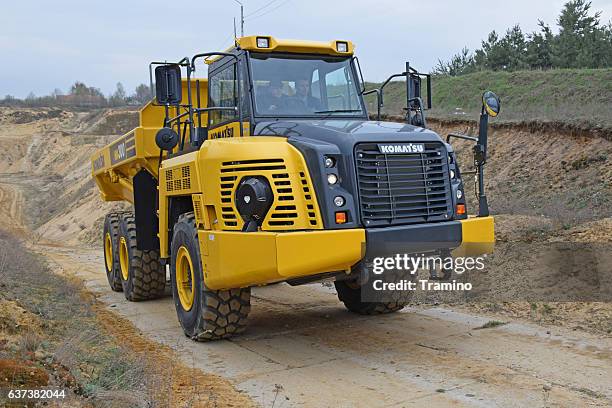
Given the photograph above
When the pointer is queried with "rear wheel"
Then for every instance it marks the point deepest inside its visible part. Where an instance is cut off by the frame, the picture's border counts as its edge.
(111, 257)
(204, 314)
(142, 275)
(349, 293)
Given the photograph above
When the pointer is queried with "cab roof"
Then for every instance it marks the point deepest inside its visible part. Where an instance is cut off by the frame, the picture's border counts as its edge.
(250, 43)
(334, 47)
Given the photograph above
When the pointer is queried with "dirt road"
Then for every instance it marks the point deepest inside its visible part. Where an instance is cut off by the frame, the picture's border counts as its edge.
(303, 349)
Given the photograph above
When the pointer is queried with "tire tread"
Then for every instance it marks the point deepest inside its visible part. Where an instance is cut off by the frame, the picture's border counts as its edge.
(147, 274)
(224, 312)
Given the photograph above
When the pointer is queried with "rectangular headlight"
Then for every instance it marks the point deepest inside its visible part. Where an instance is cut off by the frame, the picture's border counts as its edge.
(342, 46)
(263, 42)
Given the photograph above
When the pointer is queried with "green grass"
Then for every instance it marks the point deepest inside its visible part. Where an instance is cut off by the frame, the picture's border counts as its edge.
(574, 96)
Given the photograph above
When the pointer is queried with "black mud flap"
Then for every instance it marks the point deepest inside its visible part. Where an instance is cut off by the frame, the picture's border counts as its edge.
(145, 208)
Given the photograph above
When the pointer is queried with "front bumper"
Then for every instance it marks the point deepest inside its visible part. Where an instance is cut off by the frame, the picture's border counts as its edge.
(472, 236)
(234, 259)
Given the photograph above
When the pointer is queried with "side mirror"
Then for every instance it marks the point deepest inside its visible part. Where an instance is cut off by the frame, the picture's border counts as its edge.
(491, 103)
(166, 139)
(168, 87)
(415, 87)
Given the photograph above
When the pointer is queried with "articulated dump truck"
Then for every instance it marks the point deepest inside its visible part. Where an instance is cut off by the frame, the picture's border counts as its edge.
(270, 170)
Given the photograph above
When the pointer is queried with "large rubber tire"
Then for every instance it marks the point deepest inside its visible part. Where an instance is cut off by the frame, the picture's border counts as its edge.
(143, 277)
(110, 242)
(349, 293)
(204, 314)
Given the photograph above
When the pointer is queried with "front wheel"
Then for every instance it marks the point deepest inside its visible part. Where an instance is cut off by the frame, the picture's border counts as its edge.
(349, 293)
(204, 314)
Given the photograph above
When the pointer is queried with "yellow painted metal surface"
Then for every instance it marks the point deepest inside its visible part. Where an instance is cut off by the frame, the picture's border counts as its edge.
(236, 259)
(211, 176)
(185, 281)
(295, 46)
(478, 236)
(108, 252)
(231, 129)
(124, 262)
(178, 176)
(230, 160)
(114, 165)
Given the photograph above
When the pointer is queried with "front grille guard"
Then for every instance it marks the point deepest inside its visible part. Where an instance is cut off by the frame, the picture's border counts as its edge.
(407, 188)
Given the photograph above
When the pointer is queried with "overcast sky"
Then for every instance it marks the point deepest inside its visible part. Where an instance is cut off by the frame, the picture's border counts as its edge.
(49, 44)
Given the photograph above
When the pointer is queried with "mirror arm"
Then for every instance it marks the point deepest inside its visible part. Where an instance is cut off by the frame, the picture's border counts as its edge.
(480, 149)
(461, 136)
(479, 162)
(174, 119)
(385, 84)
(377, 91)
(480, 158)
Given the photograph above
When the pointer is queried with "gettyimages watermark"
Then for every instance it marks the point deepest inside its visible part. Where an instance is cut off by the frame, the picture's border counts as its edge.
(515, 271)
(409, 266)
(395, 277)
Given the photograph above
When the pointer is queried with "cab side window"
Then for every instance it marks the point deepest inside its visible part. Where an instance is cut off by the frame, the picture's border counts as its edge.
(223, 93)
(341, 90)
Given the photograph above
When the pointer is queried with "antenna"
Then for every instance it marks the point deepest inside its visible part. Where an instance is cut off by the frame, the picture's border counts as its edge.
(241, 20)
(234, 28)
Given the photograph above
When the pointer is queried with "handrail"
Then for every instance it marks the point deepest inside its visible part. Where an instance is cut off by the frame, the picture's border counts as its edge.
(212, 54)
(238, 71)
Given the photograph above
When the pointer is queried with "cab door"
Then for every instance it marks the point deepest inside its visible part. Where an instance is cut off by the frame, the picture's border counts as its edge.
(223, 93)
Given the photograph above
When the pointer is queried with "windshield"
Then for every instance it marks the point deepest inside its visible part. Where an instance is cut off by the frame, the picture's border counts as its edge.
(304, 86)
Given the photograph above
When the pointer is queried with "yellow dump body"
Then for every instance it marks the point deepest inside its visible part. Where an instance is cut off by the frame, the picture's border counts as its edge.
(114, 165)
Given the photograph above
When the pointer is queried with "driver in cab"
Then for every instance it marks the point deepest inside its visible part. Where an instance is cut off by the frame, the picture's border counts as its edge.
(302, 93)
(275, 100)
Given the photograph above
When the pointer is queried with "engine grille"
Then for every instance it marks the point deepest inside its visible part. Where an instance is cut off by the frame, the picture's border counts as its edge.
(403, 188)
(293, 204)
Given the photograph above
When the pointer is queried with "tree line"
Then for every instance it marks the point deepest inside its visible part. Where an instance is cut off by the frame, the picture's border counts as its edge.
(582, 41)
(81, 95)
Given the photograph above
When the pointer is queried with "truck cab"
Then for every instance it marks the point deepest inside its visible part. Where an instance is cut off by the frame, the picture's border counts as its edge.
(270, 170)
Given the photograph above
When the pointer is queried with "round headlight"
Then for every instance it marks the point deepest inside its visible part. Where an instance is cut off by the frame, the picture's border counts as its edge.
(452, 174)
(332, 178)
(459, 194)
(329, 162)
(339, 201)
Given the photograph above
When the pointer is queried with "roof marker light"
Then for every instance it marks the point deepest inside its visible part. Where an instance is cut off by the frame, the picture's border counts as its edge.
(263, 42)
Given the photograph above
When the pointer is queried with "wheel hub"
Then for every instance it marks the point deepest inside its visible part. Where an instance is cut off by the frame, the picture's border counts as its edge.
(108, 252)
(123, 259)
(184, 278)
